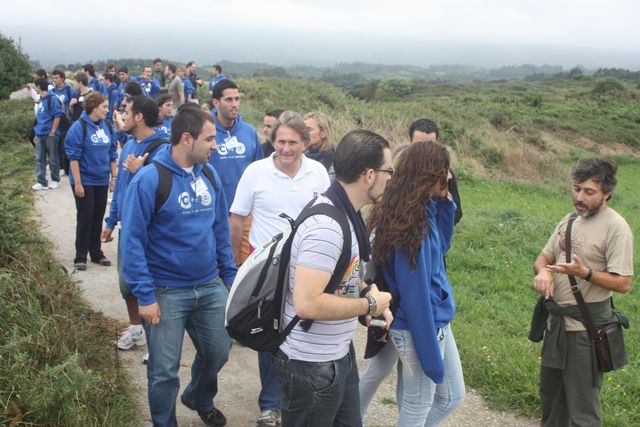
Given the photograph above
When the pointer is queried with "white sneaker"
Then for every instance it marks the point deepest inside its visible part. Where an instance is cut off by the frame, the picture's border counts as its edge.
(145, 358)
(130, 337)
(61, 172)
(38, 187)
(53, 185)
(268, 419)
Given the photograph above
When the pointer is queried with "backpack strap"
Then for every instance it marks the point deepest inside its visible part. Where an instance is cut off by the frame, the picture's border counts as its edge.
(341, 266)
(165, 182)
(84, 128)
(209, 174)
(152, 146)
(164, 185)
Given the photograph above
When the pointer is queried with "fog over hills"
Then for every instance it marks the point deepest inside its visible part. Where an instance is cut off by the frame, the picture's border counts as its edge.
(424, 33)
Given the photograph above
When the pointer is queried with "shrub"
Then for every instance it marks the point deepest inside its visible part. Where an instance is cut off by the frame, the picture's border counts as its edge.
(14, 67)
(395, 86)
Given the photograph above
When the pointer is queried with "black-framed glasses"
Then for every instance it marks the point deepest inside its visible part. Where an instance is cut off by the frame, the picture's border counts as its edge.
(390, 171)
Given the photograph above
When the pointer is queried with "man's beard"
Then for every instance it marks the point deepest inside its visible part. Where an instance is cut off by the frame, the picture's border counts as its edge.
(589, 212)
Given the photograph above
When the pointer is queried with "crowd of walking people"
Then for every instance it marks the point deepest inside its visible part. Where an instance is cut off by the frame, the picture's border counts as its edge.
(196, 189)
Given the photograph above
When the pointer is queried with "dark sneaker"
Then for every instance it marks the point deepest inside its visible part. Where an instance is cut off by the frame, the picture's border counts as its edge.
(104, 261)
(80, 265)
(212, 417)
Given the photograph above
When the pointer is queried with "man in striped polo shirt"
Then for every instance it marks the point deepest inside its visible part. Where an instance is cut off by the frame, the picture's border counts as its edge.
(317, 367)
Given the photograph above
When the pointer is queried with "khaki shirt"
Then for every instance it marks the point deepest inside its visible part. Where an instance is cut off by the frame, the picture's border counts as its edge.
(603, 242)
(175, 88)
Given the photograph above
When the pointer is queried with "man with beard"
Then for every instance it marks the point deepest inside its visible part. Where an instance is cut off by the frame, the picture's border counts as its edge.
(601, 262)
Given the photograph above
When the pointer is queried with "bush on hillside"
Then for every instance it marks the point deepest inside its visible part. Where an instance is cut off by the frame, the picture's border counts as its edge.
(395, 86)
(608, 87)
(14, 67)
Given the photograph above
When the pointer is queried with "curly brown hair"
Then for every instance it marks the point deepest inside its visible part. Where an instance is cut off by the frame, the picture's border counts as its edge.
(400, 219)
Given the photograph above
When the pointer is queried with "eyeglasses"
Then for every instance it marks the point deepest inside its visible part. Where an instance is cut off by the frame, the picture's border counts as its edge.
(390, 171)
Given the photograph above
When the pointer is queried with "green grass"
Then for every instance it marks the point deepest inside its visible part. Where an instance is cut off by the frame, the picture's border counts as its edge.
(504, 227)
(58, 365)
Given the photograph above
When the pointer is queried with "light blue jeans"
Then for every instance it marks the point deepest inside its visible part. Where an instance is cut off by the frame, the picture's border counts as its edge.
(378, 368)
(200, 311)
(46, 150)
(421, 402)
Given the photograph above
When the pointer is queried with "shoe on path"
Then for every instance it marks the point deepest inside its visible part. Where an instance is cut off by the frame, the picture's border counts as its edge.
(212, 417)
(104, 261)
(54, 184)
(269, 418)
(131, 337)
(39, 187)
(80, 265)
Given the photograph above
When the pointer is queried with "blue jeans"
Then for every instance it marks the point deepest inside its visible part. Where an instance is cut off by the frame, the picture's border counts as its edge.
(422, 402)
(319, 394)
(199, 310)
(47, 149)
(269, 398)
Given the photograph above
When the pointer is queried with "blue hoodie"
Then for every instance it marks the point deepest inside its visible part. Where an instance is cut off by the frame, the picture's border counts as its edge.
(237, 149)
(64, 94)
(96, 84)
(165, 127)
(124, 177)
(187, 242)
(426, 297)
(188, 89)
(113, 96)
(149, 88)
(94, 153)
(215, 80)
(45, 116)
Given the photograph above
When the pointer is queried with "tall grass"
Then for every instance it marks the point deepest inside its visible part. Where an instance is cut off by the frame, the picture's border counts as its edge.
(57, 362)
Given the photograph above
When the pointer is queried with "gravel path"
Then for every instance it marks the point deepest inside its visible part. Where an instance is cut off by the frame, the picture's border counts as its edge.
(239, 382)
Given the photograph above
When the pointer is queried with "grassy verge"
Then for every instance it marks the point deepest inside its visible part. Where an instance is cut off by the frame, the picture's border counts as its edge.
(504, 228)
(57, 363)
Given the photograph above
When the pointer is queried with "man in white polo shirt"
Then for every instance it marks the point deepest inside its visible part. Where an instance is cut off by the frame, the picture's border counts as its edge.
(283, 182)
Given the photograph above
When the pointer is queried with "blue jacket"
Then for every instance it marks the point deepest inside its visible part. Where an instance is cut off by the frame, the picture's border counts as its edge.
(238, 147)
(188, 89)
(186, 242)
(149, 88)
(96, 84)
(124, 177)
(113, 96)
(46, 115)
(426, 297)
(215, 80)
(64, 94)
(94, 153)
(165, 127)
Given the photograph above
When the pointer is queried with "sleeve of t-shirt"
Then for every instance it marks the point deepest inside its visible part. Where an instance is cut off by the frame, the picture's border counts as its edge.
(320, 243)
(619, 253)
(243, 200)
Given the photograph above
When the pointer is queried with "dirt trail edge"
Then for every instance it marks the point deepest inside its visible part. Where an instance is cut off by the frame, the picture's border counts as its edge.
(239, 382)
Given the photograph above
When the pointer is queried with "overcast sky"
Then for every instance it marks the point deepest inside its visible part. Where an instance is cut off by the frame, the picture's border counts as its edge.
(325, 32)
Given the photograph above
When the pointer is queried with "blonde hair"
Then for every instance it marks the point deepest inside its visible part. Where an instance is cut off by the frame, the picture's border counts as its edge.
(324, 125)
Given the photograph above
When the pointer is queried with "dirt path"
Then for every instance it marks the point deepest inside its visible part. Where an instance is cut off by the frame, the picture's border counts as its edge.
(239, 382)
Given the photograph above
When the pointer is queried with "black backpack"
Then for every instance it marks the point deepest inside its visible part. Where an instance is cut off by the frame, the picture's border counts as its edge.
(255, 305)
(165, 181)
(65, 122)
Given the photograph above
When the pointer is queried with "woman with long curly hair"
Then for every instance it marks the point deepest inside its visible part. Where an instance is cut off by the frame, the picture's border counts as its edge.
(413, 226)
